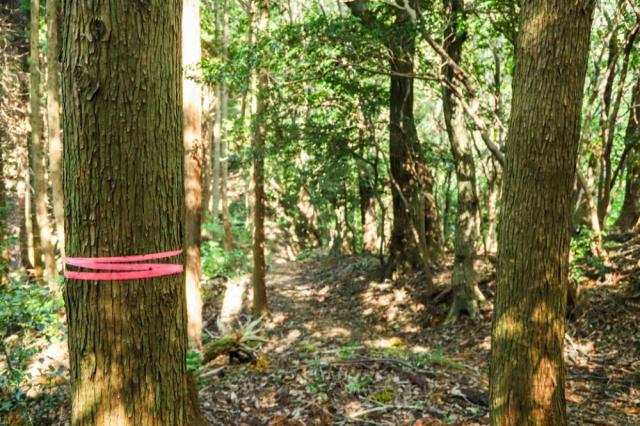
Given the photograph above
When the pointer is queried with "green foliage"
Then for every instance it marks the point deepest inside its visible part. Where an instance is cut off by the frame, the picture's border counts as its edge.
(29, 319)
(583, 263)
(358, 384)
(218, 261)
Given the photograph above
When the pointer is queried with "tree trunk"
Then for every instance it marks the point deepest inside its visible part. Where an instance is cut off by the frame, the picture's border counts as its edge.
(409, 249)
(192, 137)
(258, 106)
(224, 166)
(493, 192)
(215, 155)
(38, 160)
(527, 367)
(630, 213)
(124, 189)
(209, 102)
(466, 294)
(53, 121)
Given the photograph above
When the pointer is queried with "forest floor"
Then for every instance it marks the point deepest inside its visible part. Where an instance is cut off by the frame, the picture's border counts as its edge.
(348, 348)
(345, 347)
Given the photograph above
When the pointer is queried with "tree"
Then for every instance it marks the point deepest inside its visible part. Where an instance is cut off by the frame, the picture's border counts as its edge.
(527, 368)
(124, 195)
(53, 120)
(193, 159)
(630, 213)
(38, 160)
(413, 214)
(258, 134)
(466, 294)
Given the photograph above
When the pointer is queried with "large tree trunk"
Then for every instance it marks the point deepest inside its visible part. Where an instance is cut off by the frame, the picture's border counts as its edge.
(38, 161)
(527, 367)
(630, 213)
(192, 137)
(409, 249)
(466, 294)
(258, 106)
(124, 195)
(53, 121)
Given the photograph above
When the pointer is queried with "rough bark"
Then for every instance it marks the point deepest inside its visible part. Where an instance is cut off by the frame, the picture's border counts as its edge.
(53, 121)
(192, 138)
(124, 195)
(630, 212)
(466, 294)
(38, 160)
(258, 106)
(527, 368)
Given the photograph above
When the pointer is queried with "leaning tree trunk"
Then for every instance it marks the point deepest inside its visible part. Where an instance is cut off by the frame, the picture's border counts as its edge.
(409, 249)
(258, 140)
(124, 195)
(38, 161)
(53, 121)
(193, 153)
(527, 367)
(630, 213)
(466, 294)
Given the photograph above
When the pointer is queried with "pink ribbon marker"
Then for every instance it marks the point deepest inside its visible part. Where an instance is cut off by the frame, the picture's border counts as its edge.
(135, 271)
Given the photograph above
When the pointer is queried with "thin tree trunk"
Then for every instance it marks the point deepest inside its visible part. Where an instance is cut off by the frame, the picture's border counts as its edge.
(466, 294)
(53, 121)
(215, 155)
(527, 365)
(209, 101)
(409, 249)
(38, 160)
(124, 195)
(630, 212)
(224, 110)
(258, 106)
(192, 137)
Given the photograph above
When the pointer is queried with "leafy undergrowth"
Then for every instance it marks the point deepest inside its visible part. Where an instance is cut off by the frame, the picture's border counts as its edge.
(348, 348)
(345, 347)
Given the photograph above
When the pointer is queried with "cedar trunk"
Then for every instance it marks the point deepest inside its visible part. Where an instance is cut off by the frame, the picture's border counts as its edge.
(124, 195)
(527, 368)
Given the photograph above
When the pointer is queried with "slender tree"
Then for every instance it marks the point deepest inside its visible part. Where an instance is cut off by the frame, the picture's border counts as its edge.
(527, 367)
(414, 231)
(124, 195)
(224, 113)
(466, 294)
(53, 120)
(258, 135)
(193, 154)
(37, 159)
(630, 212)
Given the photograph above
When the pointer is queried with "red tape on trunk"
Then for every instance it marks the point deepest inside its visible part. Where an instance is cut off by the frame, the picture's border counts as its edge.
(135, 271)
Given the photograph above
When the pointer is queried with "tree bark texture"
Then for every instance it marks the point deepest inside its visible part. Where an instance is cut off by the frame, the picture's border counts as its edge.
(124, 195)
(527, 368)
